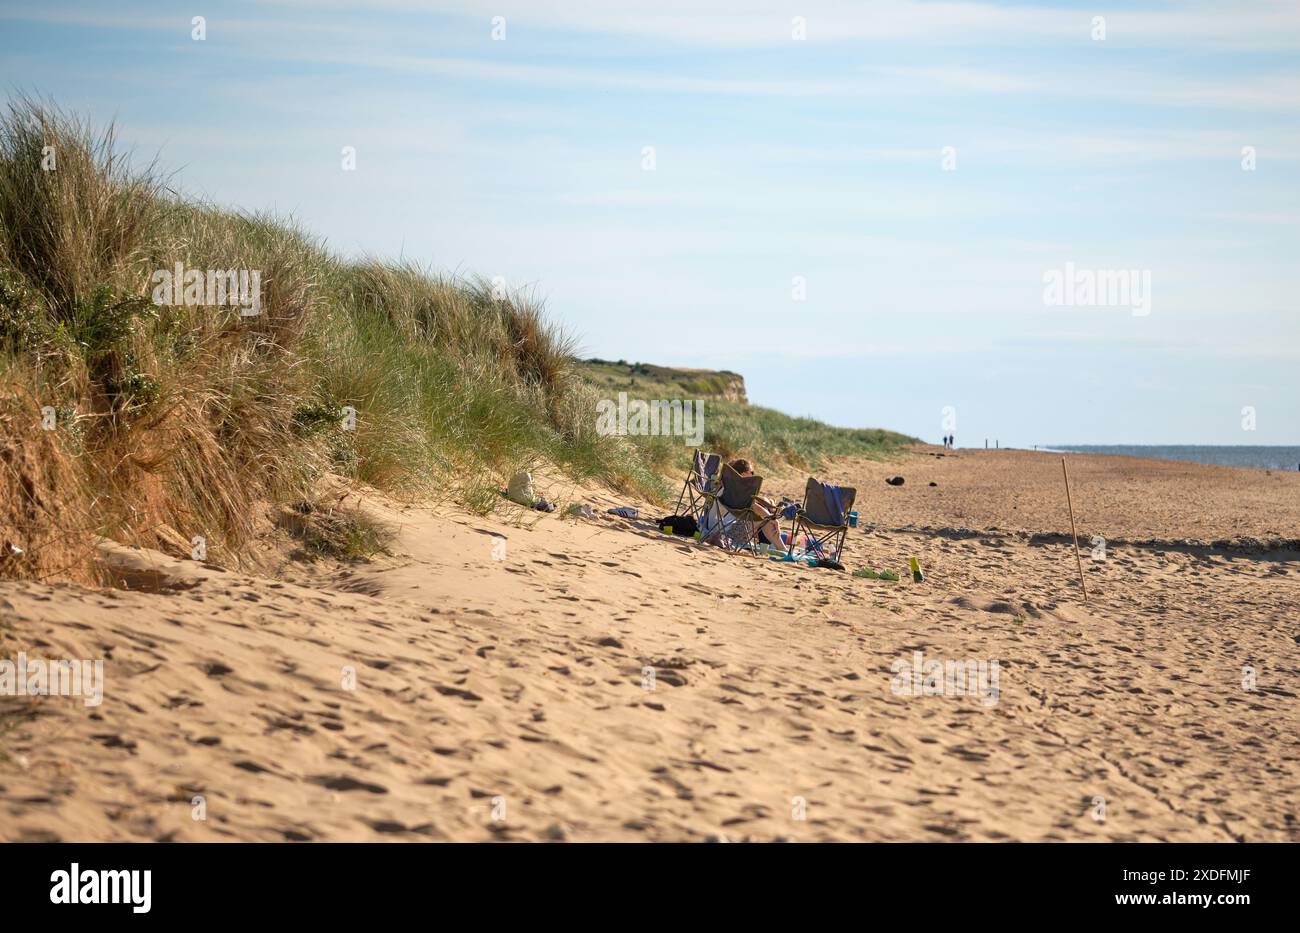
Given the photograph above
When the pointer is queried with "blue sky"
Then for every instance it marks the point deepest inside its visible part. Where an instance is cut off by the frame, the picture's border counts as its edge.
(776, 160)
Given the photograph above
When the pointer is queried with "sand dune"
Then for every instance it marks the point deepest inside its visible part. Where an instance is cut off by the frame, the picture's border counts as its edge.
(600, 681)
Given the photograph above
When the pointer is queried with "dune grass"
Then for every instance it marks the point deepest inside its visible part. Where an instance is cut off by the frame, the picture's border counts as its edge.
(341, 534)
(155, 423)
(125, 413)
(735, 428)
(684, 383)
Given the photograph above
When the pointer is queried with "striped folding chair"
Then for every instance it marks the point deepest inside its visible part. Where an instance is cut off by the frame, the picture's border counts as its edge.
(700, 487)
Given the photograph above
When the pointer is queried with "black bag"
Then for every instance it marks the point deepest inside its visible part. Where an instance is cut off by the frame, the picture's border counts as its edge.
(682, 525)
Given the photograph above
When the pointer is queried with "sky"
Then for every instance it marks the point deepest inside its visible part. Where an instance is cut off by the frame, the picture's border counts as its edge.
(882, 214)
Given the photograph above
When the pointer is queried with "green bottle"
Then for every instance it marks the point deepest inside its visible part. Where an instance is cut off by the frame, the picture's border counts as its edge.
(917, 576)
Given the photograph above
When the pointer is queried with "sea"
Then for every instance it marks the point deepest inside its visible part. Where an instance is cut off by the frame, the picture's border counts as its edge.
(1263, 458)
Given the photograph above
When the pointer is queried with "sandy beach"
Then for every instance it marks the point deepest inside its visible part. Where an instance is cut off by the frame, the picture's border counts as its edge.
(518, 677)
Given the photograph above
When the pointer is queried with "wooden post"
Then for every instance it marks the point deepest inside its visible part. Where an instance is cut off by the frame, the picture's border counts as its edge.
(1077, 559)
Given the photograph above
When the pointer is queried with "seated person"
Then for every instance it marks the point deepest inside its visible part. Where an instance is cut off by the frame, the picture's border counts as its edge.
(769, 531)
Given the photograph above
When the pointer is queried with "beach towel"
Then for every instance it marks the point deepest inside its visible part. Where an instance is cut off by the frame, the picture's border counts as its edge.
(834, 503)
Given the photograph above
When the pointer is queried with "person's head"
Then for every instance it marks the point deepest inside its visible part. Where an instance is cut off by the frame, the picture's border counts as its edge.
(742, 466)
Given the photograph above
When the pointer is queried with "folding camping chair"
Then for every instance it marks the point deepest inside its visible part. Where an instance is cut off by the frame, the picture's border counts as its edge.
(737, 500)
(824, 518)
(700, 487)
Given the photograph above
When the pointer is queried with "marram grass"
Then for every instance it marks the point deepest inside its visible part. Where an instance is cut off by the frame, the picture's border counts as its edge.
(158, 423)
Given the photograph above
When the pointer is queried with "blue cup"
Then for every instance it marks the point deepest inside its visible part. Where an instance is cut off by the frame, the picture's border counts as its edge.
(853, 519)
